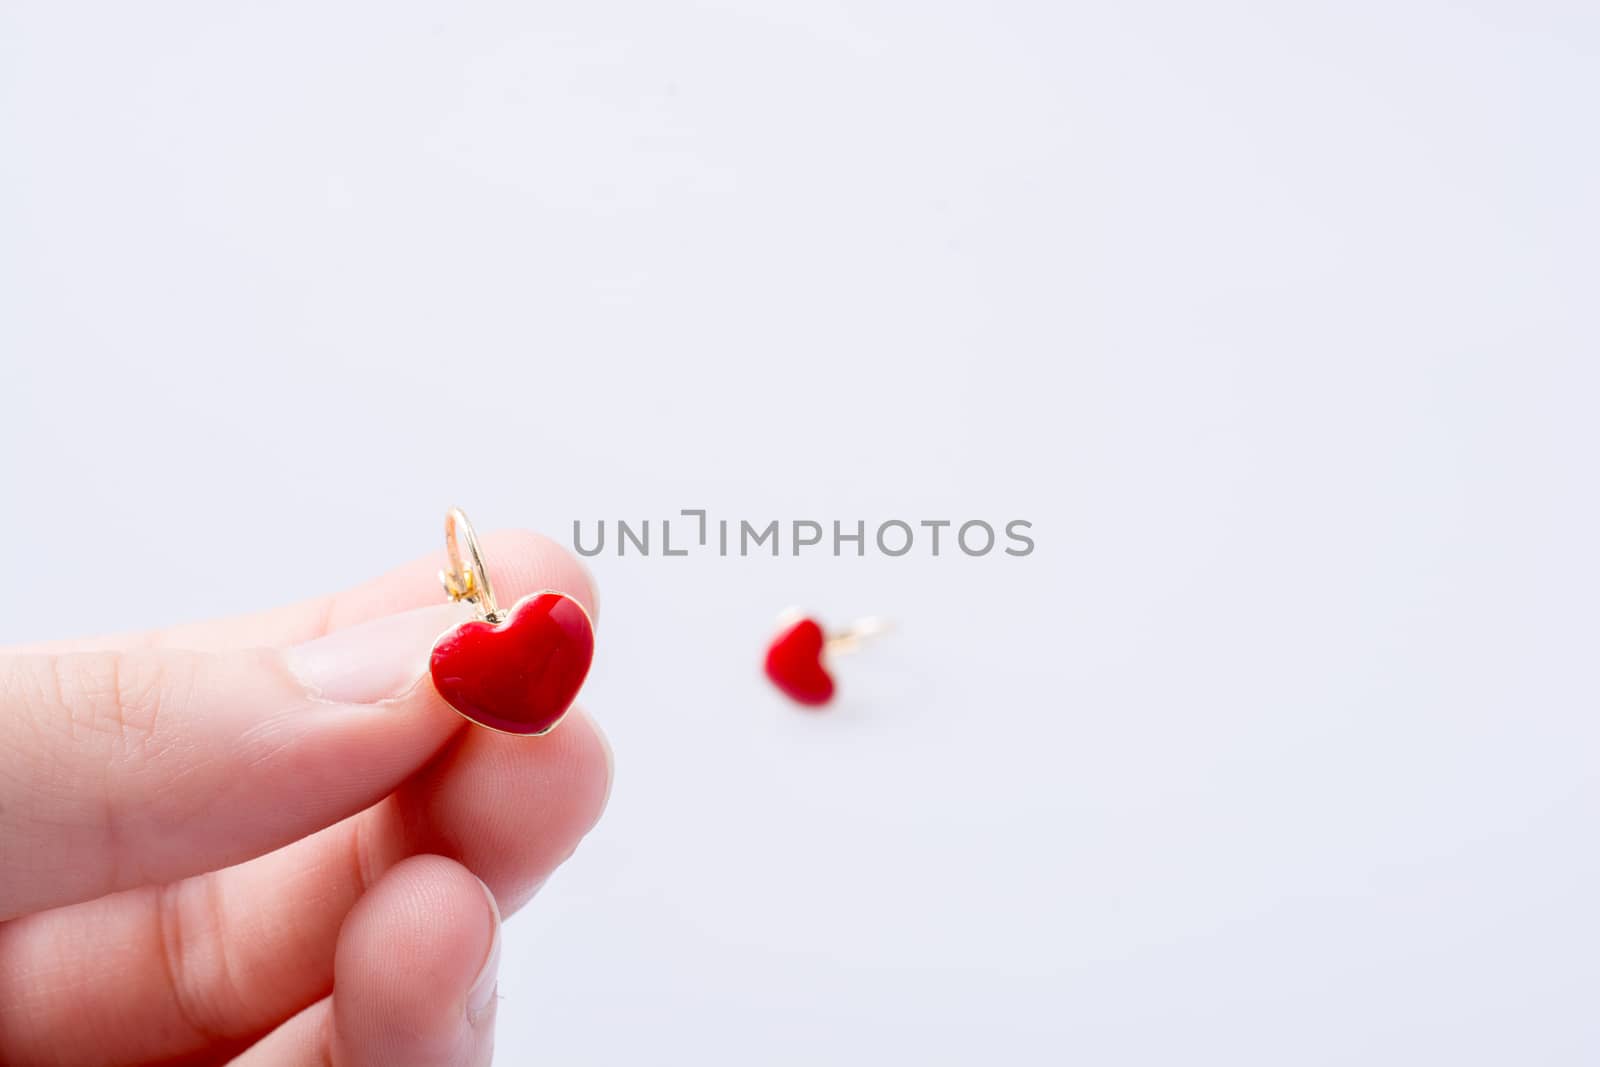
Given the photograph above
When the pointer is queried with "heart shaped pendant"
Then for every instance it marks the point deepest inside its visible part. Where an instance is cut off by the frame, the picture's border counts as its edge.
(516, 671)
(519, 675)
(794, 663)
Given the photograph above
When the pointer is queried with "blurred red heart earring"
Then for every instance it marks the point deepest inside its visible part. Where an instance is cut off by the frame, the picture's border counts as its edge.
(795, 658)
(515, 671)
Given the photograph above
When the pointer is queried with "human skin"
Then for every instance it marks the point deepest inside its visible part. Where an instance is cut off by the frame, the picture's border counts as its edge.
(266, 840)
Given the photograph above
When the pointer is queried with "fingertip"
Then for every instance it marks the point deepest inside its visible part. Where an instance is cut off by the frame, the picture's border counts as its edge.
(523, 562)
(528, 803)
(415, 966)
(590, 766)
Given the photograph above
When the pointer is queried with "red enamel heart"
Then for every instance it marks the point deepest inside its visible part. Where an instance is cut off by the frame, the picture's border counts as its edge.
(520, 675)
(794, 663)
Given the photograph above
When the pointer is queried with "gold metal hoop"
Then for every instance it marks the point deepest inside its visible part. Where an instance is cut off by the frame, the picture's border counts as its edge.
(851, 638)
(460, 581)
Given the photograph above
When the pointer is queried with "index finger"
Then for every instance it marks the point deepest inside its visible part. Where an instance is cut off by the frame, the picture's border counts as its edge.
(128, 767)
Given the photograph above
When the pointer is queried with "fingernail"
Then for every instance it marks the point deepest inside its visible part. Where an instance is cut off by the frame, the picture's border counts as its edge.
(481, 995)
(372, 661)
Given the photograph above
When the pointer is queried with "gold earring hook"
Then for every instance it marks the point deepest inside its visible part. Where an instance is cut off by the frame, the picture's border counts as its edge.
(460, 581)
(853, 636)
(850, 639)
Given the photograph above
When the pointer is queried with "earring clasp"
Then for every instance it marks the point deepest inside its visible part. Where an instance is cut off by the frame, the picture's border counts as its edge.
(460, 581)
(853, 636)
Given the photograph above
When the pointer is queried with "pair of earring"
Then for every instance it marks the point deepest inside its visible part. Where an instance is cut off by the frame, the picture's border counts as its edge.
(518, 671)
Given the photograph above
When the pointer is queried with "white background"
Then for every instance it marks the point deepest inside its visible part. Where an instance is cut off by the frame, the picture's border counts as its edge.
(1277, 321)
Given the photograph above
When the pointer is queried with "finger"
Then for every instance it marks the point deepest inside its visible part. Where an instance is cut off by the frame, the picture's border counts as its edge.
(415, 979)
(142, 766)
(523, 562)
(129, 768)
(158, 974)
(415, 970)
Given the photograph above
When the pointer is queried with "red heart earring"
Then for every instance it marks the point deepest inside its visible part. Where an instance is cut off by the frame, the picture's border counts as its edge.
(795, 656)
(513, 671)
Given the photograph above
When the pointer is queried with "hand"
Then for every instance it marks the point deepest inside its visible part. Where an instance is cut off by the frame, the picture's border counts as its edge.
(264, 838)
